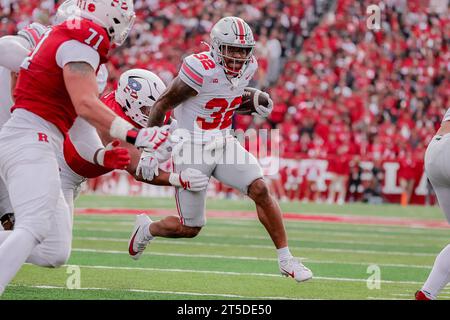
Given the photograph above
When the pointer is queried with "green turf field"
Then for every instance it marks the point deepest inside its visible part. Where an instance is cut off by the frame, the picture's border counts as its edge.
(235, 259)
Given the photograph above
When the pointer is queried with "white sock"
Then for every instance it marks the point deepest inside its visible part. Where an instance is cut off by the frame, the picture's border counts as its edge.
(14, 251)
(147, 233)
(440, 274)
(284, 254)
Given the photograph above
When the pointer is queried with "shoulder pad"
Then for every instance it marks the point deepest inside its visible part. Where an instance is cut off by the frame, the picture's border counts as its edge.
(86, 31)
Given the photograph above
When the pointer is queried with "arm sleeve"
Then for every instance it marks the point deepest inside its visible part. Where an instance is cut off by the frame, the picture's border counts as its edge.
(85, 139)
(75, 51)
(12, 53)
(191, 73)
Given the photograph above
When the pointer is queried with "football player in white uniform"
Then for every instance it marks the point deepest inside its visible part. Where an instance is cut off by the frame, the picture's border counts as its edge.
(437, 169)
(206, 93)
(14, 50)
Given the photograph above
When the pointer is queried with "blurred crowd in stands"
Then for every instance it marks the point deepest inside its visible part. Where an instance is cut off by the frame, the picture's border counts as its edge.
(341, 92)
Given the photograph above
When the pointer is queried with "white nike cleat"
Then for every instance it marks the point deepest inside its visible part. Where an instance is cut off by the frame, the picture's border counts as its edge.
(295, 269)
(138, 241)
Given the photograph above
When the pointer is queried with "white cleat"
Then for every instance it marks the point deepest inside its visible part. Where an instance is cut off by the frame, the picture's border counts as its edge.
(138, 242)
(295, 269)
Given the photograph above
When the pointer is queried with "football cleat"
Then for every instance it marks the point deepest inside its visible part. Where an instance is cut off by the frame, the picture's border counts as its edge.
(138, 241)
(295, 269)
(421, 296)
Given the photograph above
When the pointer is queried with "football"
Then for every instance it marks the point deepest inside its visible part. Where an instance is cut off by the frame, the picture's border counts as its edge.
(250, 97)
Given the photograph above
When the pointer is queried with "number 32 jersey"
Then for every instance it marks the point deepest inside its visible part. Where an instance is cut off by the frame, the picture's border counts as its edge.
(209, 113)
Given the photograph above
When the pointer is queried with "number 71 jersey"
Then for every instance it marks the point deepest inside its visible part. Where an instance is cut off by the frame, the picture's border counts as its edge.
(209, 113)
(40, 87)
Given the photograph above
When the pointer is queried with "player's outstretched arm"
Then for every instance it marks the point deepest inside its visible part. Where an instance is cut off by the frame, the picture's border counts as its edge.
(81, 83)
(177, 92)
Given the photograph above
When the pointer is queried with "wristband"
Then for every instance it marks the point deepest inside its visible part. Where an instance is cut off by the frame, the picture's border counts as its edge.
(120, 129)
(99, 157)
(174, 179)
(132, 135)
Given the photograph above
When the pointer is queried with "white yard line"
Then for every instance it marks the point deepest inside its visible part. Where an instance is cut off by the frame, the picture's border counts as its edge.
(222, 295)
(291, 231)
(249, 237)
(191, 243)
(209, 256)
(229, 273)
(321, 226)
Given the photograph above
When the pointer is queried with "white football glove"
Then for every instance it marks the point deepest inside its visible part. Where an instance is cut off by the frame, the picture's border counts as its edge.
(189, 179)
(261, 110)
(148, 166)
(152, 138)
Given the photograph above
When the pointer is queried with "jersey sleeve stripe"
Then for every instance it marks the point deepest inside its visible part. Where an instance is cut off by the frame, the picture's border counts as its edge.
(192, 83)
(193, 76)
(32, 35)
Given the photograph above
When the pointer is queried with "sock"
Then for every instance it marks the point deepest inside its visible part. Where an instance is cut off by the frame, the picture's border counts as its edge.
(284, 254)
(147, 233)
(440, 274)
(14, 251)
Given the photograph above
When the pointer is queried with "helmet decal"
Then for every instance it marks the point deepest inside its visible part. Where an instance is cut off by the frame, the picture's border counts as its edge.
(134, 85)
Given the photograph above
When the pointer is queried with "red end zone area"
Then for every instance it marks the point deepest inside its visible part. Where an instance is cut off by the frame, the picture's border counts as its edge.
(330, 218)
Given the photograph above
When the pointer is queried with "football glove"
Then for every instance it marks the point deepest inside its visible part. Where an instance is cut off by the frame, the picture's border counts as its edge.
(189, 179)
(112, 156)
(264, 111)
(148, 166)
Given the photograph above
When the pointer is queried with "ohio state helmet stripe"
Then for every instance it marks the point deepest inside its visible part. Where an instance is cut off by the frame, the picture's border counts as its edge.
(241, 30)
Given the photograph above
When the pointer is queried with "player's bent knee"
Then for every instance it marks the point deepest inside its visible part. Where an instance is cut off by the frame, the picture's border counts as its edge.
(190, 232)
(258, 190)
(59, 259)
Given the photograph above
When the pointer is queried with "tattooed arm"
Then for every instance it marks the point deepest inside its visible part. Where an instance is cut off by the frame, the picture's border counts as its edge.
(81, 84)
(177, 92)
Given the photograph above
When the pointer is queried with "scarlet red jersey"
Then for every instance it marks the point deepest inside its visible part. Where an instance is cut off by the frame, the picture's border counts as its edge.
(40, 87)
(110, 101)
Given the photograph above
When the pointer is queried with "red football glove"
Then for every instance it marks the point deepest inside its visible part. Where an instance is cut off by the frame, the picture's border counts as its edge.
(113, 157)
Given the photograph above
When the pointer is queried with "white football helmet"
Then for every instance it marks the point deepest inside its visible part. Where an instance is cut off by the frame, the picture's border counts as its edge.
(137, 92)
(116, 16)
(228, 34)
(67, 9)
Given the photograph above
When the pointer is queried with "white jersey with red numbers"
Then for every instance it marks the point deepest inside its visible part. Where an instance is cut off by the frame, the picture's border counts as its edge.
(40, 86)
(209, 113)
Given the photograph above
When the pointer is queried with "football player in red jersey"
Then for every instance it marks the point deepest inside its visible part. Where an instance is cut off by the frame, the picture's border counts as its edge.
(57, 83)
(205, 94)
(84, 156)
